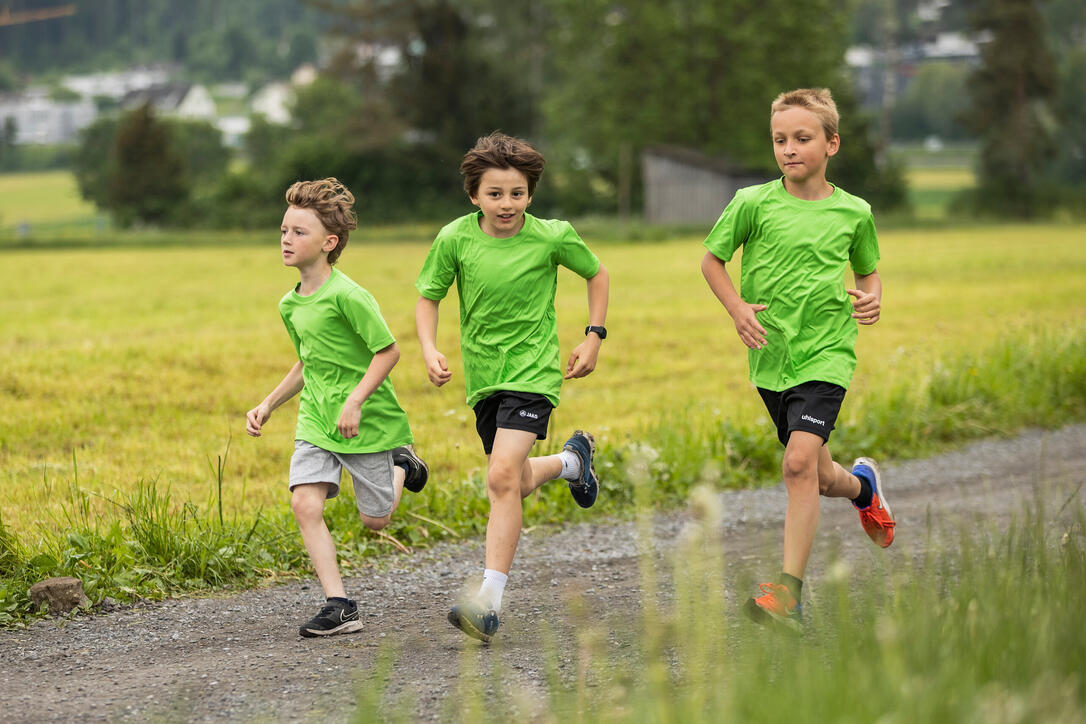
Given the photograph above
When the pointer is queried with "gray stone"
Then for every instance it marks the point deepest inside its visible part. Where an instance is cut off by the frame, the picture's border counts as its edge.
(59, 595)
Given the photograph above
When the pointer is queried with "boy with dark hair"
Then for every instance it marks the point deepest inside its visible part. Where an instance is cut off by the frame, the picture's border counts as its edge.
(348, 416)
(504, 262)
(797, 234)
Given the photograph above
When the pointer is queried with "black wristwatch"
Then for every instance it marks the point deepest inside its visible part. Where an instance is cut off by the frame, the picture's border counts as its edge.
(601, 331)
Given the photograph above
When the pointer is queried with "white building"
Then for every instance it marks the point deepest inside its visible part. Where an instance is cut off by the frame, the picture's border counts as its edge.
(40, 119)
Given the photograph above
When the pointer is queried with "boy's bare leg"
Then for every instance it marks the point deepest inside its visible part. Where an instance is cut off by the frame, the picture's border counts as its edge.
(307, 502)
(509, 474)
(372, 523)
(801, 457)
(833, 480)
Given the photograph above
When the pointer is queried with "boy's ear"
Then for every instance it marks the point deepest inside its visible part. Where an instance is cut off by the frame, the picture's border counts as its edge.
(330, 243)
(834, 145)
(474, 199)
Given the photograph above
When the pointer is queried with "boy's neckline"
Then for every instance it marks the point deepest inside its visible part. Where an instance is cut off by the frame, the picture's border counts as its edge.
(784, 188)
(305, 295)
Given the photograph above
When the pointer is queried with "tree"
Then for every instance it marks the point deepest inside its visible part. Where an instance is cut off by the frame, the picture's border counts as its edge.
(632, 74)
(1013, 109)
(148, 183)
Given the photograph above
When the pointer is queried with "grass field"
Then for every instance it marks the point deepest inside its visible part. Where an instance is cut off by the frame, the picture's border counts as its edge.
(45, 202)
(130, 365)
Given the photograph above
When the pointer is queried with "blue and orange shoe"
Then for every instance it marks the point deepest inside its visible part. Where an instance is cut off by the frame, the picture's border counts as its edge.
(586, 487)
(776, 607)
(877, 519)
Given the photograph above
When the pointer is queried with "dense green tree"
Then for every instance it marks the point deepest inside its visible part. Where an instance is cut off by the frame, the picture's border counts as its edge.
(1013, 109)
(632, 74)
(148, 182)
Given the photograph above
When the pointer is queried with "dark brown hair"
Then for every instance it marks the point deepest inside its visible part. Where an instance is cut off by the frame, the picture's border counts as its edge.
(331, 202)
(501, 151)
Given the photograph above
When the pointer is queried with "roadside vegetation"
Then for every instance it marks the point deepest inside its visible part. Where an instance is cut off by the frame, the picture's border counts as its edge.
(982, 627)
(128, 372)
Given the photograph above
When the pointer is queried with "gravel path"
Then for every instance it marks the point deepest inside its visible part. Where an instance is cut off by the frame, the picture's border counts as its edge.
(238, 657)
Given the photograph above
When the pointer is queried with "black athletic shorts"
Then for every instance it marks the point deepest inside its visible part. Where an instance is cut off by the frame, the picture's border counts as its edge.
(810, 406)
(512, 410)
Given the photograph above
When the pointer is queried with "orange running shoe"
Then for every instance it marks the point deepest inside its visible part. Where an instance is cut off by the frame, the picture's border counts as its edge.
(776, 607)
(877, 519)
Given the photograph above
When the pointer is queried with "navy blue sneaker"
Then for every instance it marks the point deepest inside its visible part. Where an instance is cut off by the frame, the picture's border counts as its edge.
(417, 470)
(474, 620)
(586, 487)
(334, 618)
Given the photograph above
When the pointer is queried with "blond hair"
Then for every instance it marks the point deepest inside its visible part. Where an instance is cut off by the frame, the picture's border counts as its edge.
(816, 100)
(332, 202)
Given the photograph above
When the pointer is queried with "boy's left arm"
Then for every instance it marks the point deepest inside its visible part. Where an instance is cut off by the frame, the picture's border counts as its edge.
(867, 304)
(583, 358)
(381, 364)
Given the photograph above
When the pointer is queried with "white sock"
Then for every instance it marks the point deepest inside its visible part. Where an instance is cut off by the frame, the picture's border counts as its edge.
(571, 465)
(490, 593)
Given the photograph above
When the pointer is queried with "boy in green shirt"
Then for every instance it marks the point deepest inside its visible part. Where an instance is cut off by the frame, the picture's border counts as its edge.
(348, 416)
(504, 262)
(793, 313)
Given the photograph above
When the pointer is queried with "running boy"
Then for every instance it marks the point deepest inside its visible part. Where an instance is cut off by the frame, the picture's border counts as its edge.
(348, 416)
(793, 314)
(505, 262)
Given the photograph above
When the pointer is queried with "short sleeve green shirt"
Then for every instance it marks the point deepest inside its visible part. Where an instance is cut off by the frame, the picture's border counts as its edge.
(508, 330)
(794, 258)
(336, 331)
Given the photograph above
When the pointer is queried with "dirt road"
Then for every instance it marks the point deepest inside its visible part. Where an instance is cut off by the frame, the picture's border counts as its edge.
(239, 657)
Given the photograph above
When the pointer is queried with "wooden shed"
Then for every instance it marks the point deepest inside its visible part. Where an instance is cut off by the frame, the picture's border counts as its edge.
(685, 186)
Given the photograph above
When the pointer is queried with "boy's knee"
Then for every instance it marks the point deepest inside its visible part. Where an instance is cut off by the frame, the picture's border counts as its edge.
(798, 465)
(503, 479)
(376, 523)
(306, 506)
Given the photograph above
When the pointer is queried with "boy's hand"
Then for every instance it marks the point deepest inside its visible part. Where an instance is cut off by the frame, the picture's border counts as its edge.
(255, 419)
(750, 332)
(583, 358)
(866, 306)
(349, 419)
(437, 368)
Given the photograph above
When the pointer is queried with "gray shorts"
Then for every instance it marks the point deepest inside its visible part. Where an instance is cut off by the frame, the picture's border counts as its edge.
(374, 493)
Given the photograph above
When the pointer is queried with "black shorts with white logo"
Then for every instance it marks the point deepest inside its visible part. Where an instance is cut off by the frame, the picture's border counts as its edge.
(810, 406)
(526, 411)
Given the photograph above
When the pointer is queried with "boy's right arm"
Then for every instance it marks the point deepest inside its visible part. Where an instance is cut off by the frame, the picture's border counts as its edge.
(290, 386)
(750, 332)
(437, 367)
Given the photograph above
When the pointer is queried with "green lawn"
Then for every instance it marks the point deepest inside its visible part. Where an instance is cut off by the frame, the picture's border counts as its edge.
(47, 201)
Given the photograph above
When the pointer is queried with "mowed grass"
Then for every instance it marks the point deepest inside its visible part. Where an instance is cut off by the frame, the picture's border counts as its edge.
(47, 200)
(128, 365)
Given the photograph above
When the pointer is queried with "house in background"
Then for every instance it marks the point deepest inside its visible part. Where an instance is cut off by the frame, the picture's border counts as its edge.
(40, 119)
(684, 186)
(181, 100)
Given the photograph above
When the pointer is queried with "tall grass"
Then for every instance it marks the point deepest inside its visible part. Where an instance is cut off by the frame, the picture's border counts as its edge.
(984, 627)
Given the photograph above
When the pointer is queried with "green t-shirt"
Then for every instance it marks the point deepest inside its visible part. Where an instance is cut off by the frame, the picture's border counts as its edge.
(508, 331)
(336, 331)
(794, 257)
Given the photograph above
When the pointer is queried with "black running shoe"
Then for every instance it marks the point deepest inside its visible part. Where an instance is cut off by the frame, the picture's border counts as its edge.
(474, 620)
(417, 471)
(335, 618)
(585, 488)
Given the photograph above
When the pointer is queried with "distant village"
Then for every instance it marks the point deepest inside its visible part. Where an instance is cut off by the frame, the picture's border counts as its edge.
(42, 115)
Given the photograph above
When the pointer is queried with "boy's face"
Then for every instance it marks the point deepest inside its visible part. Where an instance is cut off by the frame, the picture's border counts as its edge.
(502, 196)
(800, 145)
(303, 239)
